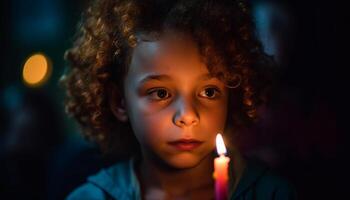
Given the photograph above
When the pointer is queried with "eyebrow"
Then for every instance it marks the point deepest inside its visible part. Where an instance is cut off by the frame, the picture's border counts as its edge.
(159, 77)
(164, 77)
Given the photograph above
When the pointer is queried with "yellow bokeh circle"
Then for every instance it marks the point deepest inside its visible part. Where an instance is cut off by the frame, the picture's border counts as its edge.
(36, 70)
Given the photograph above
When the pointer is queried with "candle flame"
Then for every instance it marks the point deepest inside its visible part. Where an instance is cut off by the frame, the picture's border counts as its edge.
(220, 145)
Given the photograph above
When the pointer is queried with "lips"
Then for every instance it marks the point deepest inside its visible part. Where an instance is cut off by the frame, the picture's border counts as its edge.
(185, 144)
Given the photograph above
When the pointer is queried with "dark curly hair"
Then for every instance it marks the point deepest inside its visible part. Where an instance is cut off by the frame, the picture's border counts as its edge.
(222, 29)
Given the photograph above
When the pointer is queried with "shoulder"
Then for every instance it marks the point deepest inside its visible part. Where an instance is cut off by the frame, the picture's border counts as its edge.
(87, 191)
(115, 182)
(260, 182)
(275, 186)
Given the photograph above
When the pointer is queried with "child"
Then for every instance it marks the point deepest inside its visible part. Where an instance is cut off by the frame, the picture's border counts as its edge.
(153, 82)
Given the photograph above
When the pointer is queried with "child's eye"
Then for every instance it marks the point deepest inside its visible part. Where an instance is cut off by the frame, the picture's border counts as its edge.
(209, 92)
(159, 94)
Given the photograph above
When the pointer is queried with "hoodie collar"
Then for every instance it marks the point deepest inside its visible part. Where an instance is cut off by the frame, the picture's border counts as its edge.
(118, 181)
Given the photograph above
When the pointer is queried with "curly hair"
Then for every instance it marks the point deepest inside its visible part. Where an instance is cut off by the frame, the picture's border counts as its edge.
(223, 31)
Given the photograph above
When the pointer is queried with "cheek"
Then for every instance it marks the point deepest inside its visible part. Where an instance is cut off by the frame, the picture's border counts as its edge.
(214, 121)
(148, 121)
(213, 116)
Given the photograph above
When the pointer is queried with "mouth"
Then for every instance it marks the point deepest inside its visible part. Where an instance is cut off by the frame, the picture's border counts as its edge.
(185, 144)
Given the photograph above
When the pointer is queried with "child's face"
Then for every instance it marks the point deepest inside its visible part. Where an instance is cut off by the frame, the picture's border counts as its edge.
(174, 106)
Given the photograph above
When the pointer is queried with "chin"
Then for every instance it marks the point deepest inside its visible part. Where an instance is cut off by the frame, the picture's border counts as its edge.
(184, 161)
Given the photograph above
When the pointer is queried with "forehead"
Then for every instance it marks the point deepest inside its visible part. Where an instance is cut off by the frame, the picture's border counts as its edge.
(171, 53)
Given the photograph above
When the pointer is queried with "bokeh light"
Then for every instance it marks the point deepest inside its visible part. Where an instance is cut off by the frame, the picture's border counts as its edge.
(36, 70)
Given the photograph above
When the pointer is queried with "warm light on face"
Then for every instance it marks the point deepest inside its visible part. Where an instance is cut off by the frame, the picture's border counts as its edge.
(36, 70)
(220, 145)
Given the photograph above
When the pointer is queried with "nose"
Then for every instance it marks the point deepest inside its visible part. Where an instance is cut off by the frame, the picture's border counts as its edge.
(186, 113)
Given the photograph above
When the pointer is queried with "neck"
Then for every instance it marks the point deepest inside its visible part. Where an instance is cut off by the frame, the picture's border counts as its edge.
(176, 182)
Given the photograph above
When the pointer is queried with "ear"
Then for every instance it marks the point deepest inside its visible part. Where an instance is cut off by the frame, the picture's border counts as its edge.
(117, 104)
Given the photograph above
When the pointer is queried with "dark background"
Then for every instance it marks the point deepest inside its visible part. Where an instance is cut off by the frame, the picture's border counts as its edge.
(302, 132)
